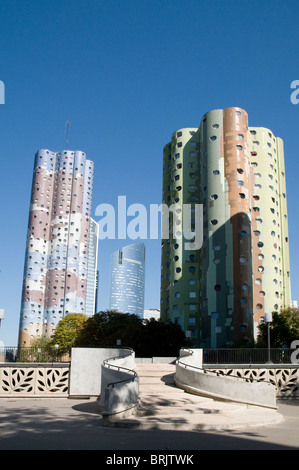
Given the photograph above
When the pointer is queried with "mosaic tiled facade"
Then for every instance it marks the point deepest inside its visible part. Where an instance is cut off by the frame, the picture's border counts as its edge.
(221, 292)
(56, 261)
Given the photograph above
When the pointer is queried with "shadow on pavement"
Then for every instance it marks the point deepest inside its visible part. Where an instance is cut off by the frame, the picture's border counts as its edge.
(62, 424)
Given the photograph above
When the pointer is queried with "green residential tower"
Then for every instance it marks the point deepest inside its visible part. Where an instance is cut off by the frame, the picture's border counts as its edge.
(220, 292)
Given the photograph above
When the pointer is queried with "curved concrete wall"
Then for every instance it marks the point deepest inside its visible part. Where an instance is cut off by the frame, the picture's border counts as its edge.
(194, 380)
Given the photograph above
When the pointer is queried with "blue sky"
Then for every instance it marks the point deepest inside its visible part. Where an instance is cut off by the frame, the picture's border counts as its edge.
(126, 74)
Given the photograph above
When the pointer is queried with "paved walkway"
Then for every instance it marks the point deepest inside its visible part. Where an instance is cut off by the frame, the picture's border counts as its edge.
(167, 407)
(69, 424)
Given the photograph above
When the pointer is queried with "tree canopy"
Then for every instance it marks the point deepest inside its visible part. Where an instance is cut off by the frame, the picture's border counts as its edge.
(147, 338)
(67, 331)
(284, 328)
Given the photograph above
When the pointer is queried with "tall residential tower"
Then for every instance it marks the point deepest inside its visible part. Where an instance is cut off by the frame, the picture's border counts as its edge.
(221, 292)
(60, 260)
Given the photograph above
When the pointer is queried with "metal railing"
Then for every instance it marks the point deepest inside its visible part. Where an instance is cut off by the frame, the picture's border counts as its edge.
(33, 354)
(107, 363)
(247, 356)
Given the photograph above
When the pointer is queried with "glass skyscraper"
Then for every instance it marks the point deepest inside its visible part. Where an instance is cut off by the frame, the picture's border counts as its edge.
(127, 279)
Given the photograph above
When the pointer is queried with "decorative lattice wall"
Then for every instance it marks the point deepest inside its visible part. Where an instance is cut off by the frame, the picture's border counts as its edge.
(285, 379)
(43, 380)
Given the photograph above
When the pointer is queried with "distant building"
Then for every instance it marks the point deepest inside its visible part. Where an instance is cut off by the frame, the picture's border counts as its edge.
(127, 279)
(60, 260)
(151, 313)
(294, 303)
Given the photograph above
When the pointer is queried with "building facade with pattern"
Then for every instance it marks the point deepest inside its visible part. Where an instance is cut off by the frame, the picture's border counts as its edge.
(220, 293)
(127, 279)
(60, 261)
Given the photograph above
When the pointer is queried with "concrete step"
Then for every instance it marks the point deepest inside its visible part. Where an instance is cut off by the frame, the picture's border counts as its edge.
(238, 419)
(165, 406)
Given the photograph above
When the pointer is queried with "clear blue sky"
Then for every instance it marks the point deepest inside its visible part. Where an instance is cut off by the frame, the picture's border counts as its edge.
(127, 74)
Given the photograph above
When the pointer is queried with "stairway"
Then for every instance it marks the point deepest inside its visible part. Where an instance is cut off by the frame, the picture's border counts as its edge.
(167, 407)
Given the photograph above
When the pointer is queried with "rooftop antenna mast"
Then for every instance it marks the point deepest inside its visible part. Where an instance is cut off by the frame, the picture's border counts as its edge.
(67, 127)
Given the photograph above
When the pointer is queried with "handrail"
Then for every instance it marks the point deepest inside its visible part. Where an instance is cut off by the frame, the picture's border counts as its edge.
(120, 368)
(219, 374)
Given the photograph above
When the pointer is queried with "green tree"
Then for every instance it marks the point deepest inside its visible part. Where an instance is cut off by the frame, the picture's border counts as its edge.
(161, 339)
(105, 328)
(67, 331)
(38, 351)
(147, 338)
(284, 328)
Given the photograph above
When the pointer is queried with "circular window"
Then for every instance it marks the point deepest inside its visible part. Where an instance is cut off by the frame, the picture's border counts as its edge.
(259, 306)
(243, 233)
(214, 221)
(242, 195)
(245, 287)
(242, 259)
(260, 269)
(215, 126)
(258, 281)
(177, 295)
(214, 196)
(178, 270)
(213, 137)
(192, 269)
(217, 287)
(216, 172)
(260, 244)
(216, 260)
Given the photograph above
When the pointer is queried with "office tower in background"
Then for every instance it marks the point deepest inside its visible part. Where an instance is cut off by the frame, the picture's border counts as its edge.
(220, 293)
(127, 279)
(60, 260)
(92, 274)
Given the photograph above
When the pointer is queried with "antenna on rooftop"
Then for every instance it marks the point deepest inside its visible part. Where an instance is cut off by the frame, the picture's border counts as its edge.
(67, 127)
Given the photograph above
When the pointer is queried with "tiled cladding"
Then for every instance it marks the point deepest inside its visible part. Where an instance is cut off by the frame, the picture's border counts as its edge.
(219, 293)
(56, 257)
(127, 279)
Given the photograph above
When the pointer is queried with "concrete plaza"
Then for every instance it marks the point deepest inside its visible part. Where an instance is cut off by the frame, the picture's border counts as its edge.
(67, 424)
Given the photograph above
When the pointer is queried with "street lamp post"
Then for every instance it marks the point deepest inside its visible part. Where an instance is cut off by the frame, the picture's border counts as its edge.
(268, 320)
(2, 313)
